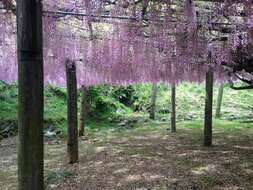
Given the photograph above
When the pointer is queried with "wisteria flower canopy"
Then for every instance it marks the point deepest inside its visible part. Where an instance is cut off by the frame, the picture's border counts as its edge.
(136, 41)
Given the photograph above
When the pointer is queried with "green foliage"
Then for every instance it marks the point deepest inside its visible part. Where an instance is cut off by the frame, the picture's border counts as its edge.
(112, 100)
(8, 101)
(112, 103)
(142, 95)
(55, 111)
(124, 95)
(57, 92)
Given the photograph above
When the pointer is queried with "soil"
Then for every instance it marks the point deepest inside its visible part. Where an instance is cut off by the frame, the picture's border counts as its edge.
(143, 159)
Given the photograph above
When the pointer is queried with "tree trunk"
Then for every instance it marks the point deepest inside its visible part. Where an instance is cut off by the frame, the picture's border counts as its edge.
(72, 112)
(173, 108)
(30, 98)
(219, 101)
(84, 109)
(208, 108)
(153, 101)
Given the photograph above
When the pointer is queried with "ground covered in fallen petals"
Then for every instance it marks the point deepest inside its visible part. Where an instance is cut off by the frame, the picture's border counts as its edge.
(146, 157)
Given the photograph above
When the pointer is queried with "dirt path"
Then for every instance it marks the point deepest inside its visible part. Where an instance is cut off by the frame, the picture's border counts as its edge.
(143, 159)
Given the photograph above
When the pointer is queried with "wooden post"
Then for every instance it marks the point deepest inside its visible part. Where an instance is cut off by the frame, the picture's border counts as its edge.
(219, 101)
(72, 112)
(173, 108)
(153, 101)
(30, 95)
(84, 109)
(208, 108)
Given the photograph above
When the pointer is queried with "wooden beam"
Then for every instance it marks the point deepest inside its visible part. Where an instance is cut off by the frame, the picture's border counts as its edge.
(30, 95)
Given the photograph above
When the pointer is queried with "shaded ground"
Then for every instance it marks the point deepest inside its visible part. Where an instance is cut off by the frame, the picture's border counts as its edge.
(147, 157)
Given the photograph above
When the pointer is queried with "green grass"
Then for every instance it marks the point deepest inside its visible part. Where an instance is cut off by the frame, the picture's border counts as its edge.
(218, 124)
(190, 106)
(8, 102)
(222, 131)
(191, 101)
(54, 177)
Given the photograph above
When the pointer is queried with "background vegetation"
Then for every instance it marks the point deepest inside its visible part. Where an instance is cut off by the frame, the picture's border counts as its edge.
(111, 105)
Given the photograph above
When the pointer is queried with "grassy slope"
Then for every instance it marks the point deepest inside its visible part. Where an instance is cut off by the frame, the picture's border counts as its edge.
(55, 106)
(191, 100)
(190, 104)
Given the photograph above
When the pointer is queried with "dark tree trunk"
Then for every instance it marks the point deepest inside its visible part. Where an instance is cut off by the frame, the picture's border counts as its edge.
(208, 108)
(219, 101)
(72, 112)
(153, 102)
(84, 109)
(30, 98)
(173, 108)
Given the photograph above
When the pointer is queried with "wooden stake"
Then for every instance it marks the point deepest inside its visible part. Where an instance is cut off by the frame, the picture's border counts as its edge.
(208, 108)
(84, 110)
(173, 108)
(72, 112)
(219, 101)
(153, 101)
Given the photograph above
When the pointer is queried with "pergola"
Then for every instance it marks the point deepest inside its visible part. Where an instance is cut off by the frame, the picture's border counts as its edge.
(145, 41)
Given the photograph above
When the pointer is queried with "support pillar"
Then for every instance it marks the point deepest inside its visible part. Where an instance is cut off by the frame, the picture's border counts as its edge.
(30, 95)
(72, 112)
(219, 101)
(153, 101)
(208, 108)
(84, 109)
(173, 108)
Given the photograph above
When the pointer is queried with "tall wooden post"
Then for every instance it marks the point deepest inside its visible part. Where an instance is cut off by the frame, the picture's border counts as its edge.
(219, 101)
(30, 98)
(153, 101)
(84, 109)
(173, 108)
(72, 112)
(208, 108)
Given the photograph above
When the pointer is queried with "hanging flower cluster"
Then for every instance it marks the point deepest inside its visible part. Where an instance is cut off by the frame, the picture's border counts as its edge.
(128, 41)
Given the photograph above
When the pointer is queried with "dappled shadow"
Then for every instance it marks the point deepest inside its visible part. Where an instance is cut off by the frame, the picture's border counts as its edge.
(160, 160)
(153, 158)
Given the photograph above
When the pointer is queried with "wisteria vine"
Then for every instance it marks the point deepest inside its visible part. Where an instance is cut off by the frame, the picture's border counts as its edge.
(137, 41)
